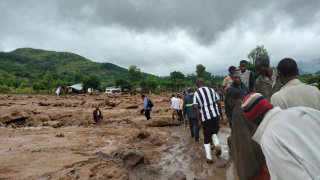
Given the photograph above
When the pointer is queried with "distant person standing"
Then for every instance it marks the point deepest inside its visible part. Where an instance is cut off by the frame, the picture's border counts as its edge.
(247, 77)
(228, 80)
(268, 82)
(180, 111)
(97, 116)
(175, 107)
(239, 85)
(205, 101)
(189, 110)
(294, 93)
(146, 107)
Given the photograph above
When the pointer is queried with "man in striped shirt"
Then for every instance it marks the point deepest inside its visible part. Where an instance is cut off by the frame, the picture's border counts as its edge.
(205, 100)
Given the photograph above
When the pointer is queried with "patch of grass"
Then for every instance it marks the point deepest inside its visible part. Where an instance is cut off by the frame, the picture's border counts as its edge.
(35, 151)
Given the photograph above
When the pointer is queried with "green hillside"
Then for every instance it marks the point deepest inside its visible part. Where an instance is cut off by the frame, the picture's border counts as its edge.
(32, 64)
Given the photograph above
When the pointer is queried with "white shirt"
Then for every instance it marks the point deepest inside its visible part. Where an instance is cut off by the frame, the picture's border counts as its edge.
(174, 103)
(290, 141)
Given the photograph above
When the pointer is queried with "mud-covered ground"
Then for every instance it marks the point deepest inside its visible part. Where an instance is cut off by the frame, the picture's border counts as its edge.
(54, 137)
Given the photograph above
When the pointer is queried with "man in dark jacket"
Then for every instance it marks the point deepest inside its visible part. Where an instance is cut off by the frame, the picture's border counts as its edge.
(244, 90)
(189, 110)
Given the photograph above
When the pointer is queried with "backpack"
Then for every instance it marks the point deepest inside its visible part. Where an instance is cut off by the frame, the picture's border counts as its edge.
(150, 103)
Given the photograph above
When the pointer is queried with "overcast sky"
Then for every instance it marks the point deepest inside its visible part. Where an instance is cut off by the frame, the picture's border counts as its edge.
(163, 36)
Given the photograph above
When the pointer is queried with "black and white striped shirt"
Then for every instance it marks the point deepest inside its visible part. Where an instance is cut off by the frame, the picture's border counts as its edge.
(206, 99)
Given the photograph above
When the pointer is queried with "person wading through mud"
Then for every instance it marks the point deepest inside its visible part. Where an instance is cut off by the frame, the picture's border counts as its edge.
(97, 116)
(289, 138)
(236, 84)
(174, 107)
(268, 82)
(288, 71)
(180, 111)
(188, 109)
(214, 86)
(247, 76)
(205, 100)
(248, 156)
(146, 107)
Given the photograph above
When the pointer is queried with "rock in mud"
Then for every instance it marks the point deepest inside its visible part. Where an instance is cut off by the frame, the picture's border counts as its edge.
(178, 175)
(44, 104)
(143, 134)
(160, 122)
(138, 125)
(156, 141)
(131, 157)
(54, 124)
(82, 103)
(44, 118)
(14, 116)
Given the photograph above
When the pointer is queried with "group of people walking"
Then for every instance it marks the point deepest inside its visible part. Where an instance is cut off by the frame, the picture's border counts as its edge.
(274, 122)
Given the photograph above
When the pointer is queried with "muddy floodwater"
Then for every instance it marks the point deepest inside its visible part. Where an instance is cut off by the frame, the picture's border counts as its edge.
(54, 137)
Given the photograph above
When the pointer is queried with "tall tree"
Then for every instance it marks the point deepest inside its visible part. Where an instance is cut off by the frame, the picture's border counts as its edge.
(92, 82)
(78, 77)
(48, 80)
(176, 75)
(257, 52)
(134, 73)
(152, 82)
(123, 83)
(200, 70)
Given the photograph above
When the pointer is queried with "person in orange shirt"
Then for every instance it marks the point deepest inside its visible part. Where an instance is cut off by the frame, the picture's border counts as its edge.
(228, 80)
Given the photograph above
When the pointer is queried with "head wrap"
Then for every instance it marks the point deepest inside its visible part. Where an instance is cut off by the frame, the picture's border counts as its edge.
(254, 105)
(97, 106)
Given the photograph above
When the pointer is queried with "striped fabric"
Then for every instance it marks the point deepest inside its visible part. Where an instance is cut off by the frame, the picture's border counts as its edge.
(206, 99)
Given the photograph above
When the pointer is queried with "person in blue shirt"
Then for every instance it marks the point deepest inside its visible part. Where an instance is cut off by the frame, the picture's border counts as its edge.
(188, 109)
(146, 108)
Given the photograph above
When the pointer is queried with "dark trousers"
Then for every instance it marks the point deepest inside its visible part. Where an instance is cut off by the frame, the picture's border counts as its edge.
(209, 128)
(194, 128)
(217, 129)
(147, 114)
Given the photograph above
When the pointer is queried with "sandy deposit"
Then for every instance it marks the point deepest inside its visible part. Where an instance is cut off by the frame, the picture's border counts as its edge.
(54, 137)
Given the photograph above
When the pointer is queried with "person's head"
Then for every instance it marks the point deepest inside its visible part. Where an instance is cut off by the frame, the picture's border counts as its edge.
(262, 66)
(143, 96)
(243, 65)
(173, 95)
(287, 70)
(234, 97)
(97, 107)
(254, 107)
(214, 86)
(232, 69)
(236, 78)
(180, 96)
(190, 90)
(200, 83)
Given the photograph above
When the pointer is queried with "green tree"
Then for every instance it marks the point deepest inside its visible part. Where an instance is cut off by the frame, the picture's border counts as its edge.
(92, 82)
(123, 83)
(257, 52)
(208, 83)
(61, 83)
(207, 76)
(152, 82)
(176, 75)
(251, 67)
(200, 70)
(38, 86)
(134, 73)
(48, 80)
(142, 83)
(78, 77)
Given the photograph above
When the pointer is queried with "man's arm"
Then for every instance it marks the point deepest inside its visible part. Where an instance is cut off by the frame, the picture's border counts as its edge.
(251, 82)
(185, 107)
(257, 87)
(145, 104)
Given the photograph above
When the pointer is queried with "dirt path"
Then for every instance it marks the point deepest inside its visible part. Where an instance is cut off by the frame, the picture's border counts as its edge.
(122, 148)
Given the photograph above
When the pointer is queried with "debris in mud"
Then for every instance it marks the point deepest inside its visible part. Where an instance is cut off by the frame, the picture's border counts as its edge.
(156, 141)
(138, 125)
(60, 135)
(14, 116)
(54, 124)
(178, 175)
(44, 104)
(160, 122)
(143, 134)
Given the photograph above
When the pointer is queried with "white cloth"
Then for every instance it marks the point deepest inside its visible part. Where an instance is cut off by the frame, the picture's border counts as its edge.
(290, 142)
(294, 94)
(174, 103)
